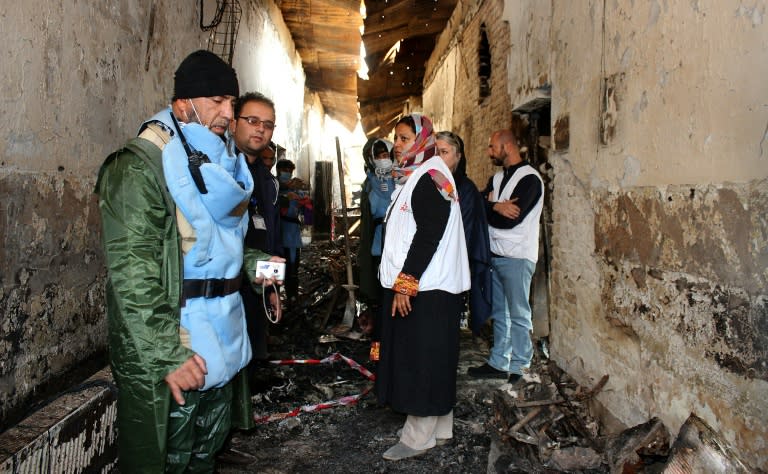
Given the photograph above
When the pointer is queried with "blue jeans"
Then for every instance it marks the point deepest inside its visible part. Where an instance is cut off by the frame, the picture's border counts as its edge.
(511, 313)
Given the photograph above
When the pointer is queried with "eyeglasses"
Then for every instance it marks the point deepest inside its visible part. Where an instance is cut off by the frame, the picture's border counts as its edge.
(255, 121)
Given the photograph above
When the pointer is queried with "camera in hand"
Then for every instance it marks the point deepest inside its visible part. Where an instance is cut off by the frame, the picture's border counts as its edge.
(273, 270)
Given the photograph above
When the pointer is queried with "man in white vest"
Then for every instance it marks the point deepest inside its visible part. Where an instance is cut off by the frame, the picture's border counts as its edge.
(515, 198)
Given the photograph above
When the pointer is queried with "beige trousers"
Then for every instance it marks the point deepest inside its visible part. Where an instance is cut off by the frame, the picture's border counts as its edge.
(422, 432)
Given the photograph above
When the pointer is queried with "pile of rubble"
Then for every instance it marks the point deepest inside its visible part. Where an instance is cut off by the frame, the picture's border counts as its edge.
(544, 424)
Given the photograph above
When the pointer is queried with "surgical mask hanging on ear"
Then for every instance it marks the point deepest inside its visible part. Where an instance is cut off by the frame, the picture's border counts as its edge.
(196, 115)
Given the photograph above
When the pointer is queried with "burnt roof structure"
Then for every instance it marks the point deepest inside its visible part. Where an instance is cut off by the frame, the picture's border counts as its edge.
(327, 37)
(394, 76)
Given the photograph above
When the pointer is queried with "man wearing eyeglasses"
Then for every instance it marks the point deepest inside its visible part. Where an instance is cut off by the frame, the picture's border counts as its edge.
(252, 129)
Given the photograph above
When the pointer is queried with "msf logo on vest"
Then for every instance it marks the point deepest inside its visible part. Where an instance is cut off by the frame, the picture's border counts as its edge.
(405, 208)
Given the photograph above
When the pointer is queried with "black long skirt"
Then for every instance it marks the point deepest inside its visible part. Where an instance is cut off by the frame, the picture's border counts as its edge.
(416, 374)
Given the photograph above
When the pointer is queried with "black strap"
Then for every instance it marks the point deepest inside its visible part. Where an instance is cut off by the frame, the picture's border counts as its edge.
(196, 159)
(209, 288)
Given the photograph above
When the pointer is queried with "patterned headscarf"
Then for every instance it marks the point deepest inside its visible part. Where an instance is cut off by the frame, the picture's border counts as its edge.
(424, 146)
(422, 150)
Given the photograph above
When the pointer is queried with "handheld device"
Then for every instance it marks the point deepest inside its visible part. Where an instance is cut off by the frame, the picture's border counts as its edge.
(273, 270)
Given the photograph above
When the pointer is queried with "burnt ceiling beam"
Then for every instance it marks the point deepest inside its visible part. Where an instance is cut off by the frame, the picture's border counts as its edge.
(327, 37)
(394, 79)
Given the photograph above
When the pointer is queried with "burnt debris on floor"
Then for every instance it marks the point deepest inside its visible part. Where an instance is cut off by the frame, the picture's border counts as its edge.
(325, 418)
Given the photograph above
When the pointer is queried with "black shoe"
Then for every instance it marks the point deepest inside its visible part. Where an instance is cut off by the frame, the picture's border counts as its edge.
(514, 378)
(485, 371)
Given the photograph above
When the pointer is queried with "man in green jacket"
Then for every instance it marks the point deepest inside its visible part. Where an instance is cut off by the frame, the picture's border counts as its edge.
(173, 204)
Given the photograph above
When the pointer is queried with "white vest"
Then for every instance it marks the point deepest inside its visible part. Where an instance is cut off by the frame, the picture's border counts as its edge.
(449, 268)
(521, 241)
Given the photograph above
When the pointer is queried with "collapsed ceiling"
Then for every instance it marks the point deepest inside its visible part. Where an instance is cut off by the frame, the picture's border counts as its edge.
(327, 37)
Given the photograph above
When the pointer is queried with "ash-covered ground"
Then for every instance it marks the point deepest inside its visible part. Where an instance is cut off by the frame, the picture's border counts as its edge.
(352, 438)
(540, 424)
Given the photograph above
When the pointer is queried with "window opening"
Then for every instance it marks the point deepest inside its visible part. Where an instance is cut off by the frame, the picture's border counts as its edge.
(484, 64)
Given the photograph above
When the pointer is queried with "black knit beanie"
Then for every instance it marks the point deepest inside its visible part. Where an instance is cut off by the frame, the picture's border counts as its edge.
(203, 74)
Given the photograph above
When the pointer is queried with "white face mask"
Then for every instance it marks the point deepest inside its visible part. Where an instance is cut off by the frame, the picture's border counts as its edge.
(383, 165)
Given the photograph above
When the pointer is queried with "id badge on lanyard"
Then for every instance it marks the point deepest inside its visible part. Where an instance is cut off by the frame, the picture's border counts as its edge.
(258, 221)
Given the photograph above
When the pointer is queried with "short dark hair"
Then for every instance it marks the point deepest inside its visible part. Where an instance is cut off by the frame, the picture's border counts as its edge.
(252, 97)
(285, 165)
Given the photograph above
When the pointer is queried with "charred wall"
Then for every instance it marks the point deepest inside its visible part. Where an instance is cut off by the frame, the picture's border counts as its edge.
(703, 279)
(659, 195)
(77, 81)
(51, 289)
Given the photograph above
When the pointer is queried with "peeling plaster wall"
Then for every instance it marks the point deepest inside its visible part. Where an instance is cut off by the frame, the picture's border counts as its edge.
(660, 260)
(659, 188)
(77, 81)
(529, 49)
(436, 95)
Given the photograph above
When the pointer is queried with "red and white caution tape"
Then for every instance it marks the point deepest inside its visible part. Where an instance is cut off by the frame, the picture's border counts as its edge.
(343, 401)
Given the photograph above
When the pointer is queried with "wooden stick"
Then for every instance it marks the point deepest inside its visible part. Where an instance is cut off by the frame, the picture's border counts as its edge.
(538, 403)
(523, 422)
(594, 390)
(350, 311)
(524, 438)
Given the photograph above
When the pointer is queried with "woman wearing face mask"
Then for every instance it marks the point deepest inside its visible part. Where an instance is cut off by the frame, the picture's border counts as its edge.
(424, 271)
(295, 205)
(374, 200)
(450, 147)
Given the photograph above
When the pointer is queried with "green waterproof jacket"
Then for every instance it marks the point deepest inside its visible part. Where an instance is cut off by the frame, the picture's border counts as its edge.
(144, 262)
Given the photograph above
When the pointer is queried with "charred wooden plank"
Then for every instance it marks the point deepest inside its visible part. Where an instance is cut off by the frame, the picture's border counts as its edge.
(622, 449)
(698, 448)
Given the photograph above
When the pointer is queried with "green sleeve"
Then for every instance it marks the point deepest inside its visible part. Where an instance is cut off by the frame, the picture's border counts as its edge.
(138, 233)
